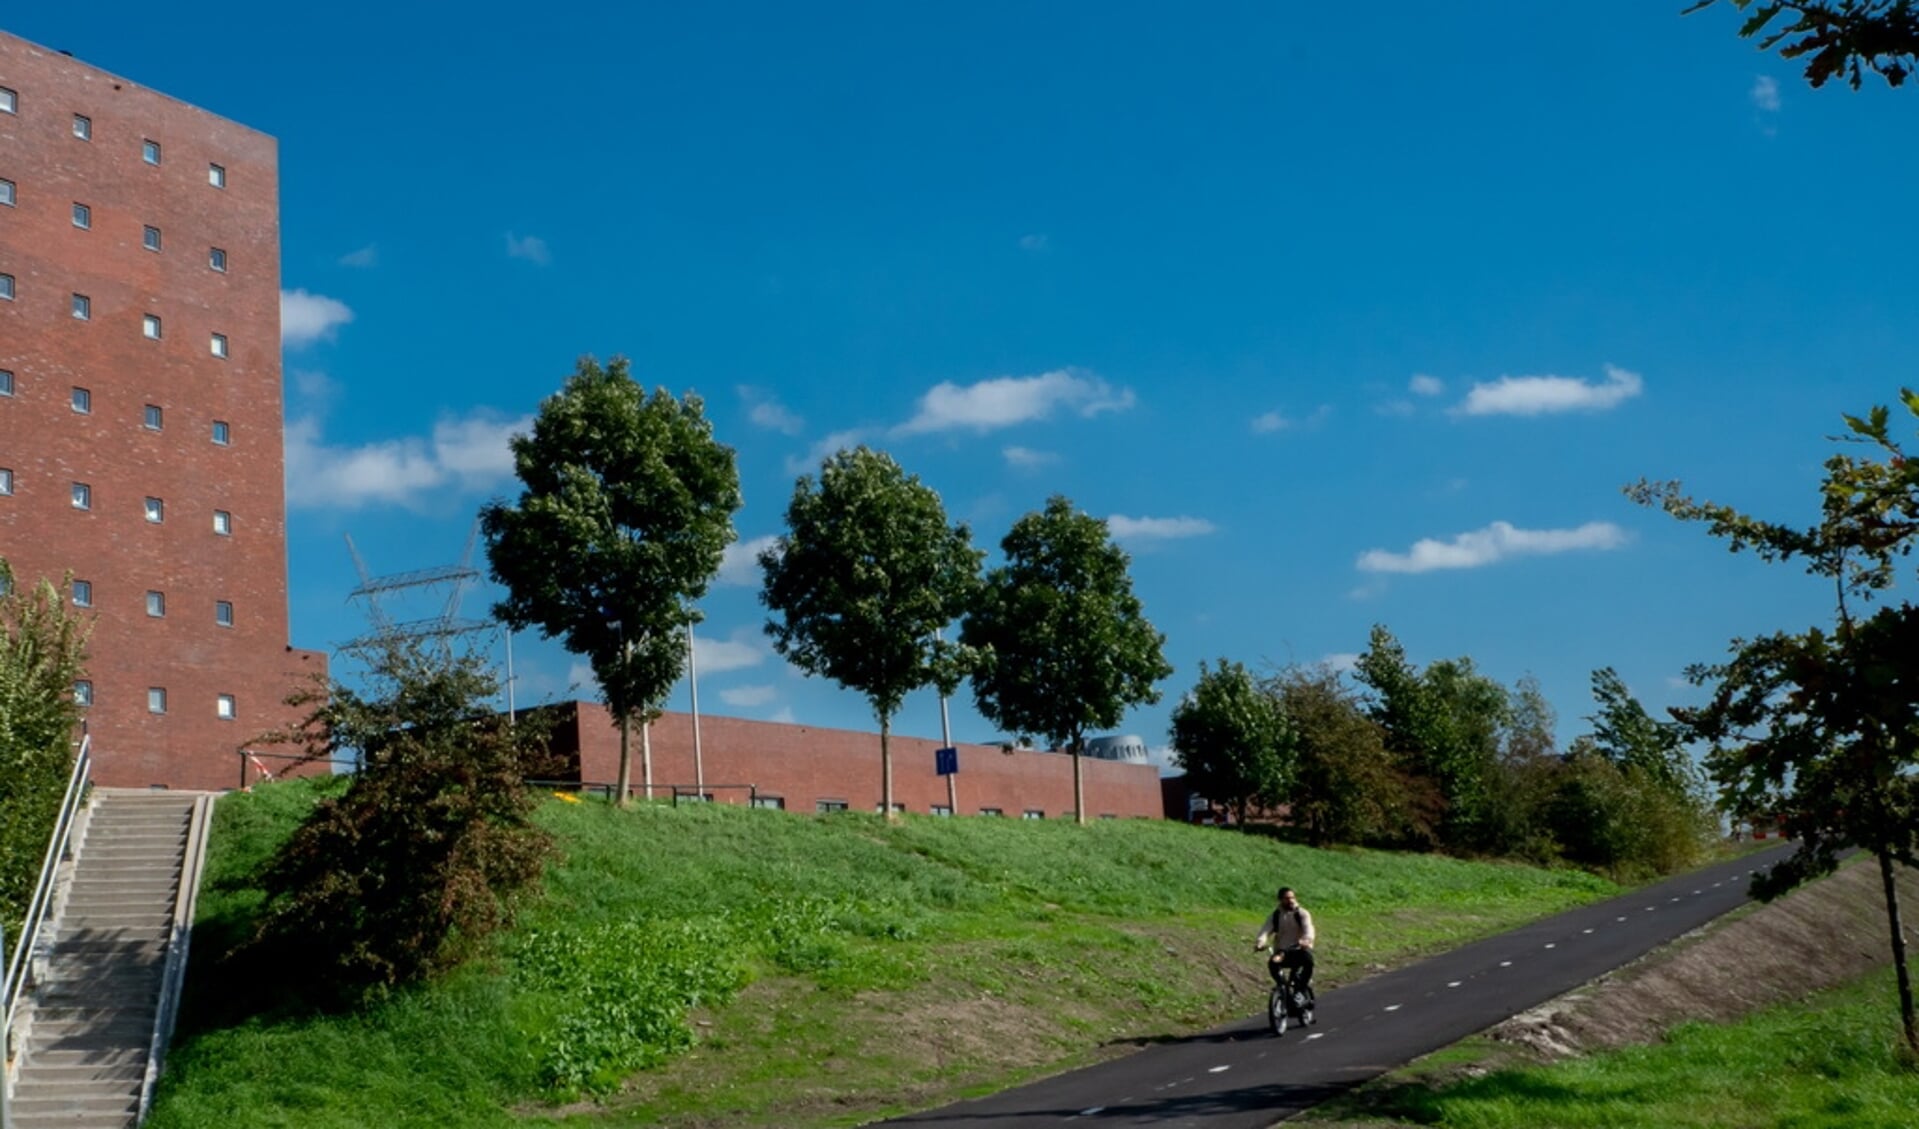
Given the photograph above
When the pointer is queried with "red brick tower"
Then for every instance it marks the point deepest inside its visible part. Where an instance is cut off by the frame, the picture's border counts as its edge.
(140, 408)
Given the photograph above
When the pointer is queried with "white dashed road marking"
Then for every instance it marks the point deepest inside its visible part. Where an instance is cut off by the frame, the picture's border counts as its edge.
(1314, 1035)
(1505, 964)
(1455, 984)
(1219, 1070)
(1393, 1007)
(1090, 1112)
(1552, 945)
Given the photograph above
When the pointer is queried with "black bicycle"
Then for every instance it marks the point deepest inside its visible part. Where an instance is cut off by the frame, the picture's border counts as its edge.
(1289, 1005)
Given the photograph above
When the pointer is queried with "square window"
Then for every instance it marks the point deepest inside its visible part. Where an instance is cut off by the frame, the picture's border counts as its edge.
(6, 192)
(6, 382)
(9, 101)
(83, 693)
(222, 434)
(777, 803)
(83, 593)
(82, 496)
(217, 345)
(83, 127)
(217, 259)
(150, 237)
(226, 707)
(82, 307)
(6, 287)
(217, 175)
(223, 523)
(82, 215)
(151, 327)
(153, 417)
(150, 152)
(223, 612)
(156, 699)
(157, 604)
(82, 401)
(156, 510)
(6, 481)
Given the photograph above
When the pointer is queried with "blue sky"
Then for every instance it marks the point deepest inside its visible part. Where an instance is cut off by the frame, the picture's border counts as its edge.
(1343, 314)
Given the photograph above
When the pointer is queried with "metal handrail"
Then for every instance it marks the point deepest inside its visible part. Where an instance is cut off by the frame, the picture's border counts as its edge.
(43, 892)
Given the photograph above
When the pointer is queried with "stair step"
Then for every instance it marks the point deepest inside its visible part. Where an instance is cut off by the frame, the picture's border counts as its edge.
(76, 1103)
(63, 1058)
(104, 1074)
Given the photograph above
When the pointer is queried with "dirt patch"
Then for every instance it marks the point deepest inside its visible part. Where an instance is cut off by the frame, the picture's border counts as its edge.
(1817, 937)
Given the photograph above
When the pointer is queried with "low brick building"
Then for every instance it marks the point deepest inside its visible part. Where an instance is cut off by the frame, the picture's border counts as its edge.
(809, 768)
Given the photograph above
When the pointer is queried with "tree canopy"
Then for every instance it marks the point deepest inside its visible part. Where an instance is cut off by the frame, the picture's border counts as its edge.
(1233, 740)
(867, 573)
(1837, 38)
(627, 508)
(1065, 646)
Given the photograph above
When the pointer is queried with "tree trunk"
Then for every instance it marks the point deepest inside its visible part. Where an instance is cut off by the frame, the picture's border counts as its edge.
(646, 758)
(1899, 953)
(886, 769)
(1079, 784)
(625, 779)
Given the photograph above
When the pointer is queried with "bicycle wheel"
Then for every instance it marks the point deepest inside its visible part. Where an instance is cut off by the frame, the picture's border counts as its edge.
(1277, 1016)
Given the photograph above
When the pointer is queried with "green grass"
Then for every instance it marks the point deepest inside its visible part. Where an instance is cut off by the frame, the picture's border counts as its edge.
(713, 964)
(1831, 1062)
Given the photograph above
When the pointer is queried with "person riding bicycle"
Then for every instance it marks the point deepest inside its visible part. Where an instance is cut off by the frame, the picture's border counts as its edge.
(1289, 931)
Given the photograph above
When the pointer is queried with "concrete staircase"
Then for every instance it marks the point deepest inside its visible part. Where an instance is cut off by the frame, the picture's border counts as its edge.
(107, 973)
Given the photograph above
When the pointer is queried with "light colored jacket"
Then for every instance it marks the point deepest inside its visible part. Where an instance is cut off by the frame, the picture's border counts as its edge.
(1286, 928)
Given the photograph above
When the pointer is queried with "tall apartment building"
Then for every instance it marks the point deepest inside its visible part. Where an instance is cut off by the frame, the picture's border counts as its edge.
(141, 429)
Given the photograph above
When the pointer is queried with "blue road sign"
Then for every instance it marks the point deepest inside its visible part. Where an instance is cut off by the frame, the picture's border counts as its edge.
(946, 761)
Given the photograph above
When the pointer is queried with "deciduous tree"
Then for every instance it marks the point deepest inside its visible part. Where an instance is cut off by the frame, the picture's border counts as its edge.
(868, 571)
(1837, 38)
(1232, 740)
(1345, 788)
(627, 508)
(1065, 646)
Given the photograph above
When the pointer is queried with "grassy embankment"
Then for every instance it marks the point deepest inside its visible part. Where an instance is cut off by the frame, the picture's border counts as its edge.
(834, 968)
(1829, 1062)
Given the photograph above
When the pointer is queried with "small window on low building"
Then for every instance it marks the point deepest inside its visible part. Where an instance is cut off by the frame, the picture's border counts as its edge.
(217, 259)
(83, 593)
(151, 327)
(830, 805)
(217, 345)
(156, 699)
(150, 237)
(222, 434)
(157, 604)
(150, 151)
(226, 708)
(942, 809)
(222, 523)
(82, 216)
(777, 803)
(82, 496)
(217, 175)
(223, 612)
(153, 417)
(991, 811)
(82, 307)
(83, 693)
(82, 401)
(156, 510)
(83, 127)
(1032, 813)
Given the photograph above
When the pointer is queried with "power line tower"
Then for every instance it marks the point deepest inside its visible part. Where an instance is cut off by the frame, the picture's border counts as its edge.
(441, 630)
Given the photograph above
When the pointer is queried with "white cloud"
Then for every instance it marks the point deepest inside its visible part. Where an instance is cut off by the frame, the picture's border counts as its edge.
(532, 248)
(740, 562)
(1156, 528)
(467, 454)
(736, 652)
(1423, 385)
(809, 463)
(784, 715)
(1396, 408)
(366, 256)
(766, 411)
(1491, 545)
(1035, 242)
(1277, 420)
(1026, 458)
(1765, 94)
(1009, 400)
(314, 385)
(746, 697)
(306, 318)
(1539, 395)
(1341, 661)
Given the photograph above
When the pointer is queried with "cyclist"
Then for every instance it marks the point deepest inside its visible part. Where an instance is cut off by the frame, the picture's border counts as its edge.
(1289, 932)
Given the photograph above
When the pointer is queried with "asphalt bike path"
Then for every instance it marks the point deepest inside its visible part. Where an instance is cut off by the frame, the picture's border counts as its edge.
(1243, 1077)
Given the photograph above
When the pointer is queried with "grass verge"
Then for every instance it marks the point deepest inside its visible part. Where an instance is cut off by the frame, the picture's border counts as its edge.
(712, 965)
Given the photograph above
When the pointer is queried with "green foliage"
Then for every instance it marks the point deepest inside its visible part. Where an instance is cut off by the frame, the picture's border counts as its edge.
(430, 846)
(627, 509)
(1842, 38)
(866, 574)
(42, 650)
(1346, 788)
(1233, 740)
(1065, 646)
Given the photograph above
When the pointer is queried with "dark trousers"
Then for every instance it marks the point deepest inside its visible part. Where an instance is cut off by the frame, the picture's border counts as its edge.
(1299, 957)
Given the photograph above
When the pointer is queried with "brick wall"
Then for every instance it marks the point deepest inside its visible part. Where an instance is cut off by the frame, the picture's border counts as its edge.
(804, 765)
(49, 446)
